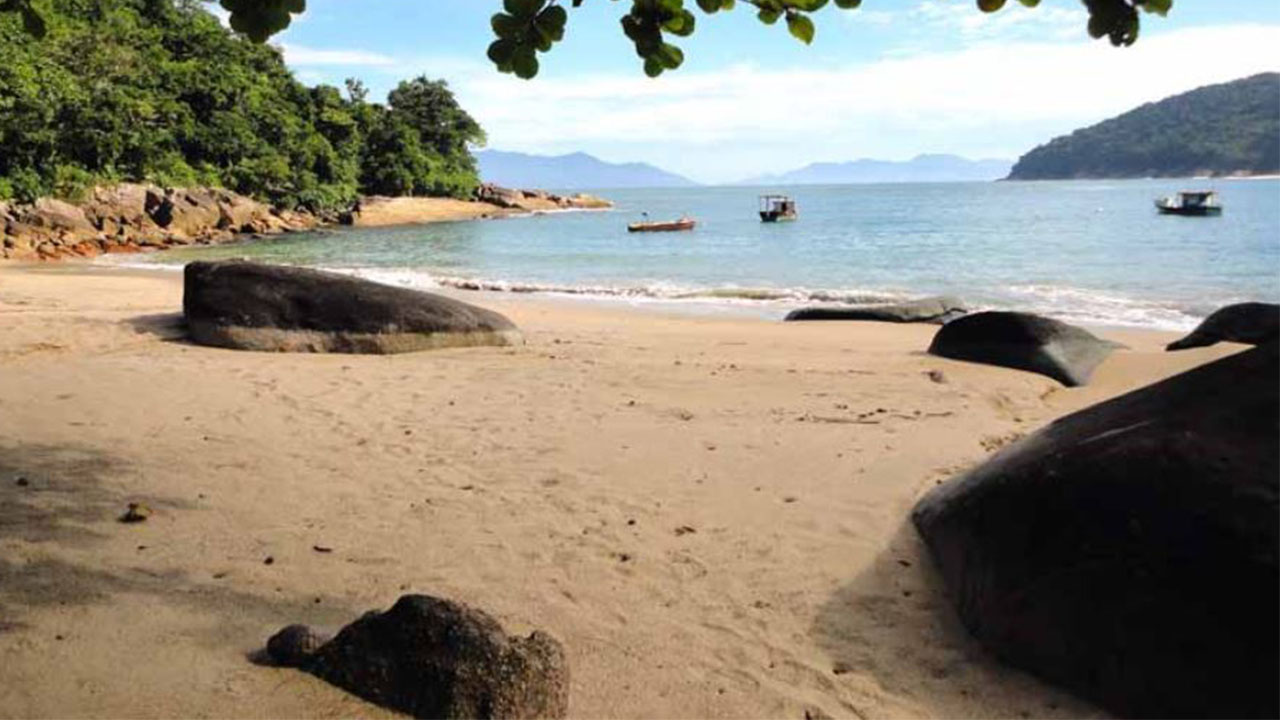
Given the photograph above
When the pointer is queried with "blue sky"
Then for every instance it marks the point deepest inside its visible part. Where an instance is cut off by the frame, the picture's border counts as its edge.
(890, 80)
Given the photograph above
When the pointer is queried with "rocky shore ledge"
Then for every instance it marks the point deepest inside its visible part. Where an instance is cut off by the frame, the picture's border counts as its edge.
(138, 218)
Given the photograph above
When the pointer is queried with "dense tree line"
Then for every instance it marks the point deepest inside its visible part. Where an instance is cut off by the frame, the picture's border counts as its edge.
(160, 91)
(1219, 129)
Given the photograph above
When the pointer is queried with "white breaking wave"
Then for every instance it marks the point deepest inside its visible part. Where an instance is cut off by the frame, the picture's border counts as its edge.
(1075, 305)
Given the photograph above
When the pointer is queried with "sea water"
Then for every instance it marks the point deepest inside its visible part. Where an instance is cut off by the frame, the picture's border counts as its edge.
(1091, 252)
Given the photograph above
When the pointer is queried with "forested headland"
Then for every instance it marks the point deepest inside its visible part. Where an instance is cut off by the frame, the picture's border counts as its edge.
(1227, 129)
(160, 92)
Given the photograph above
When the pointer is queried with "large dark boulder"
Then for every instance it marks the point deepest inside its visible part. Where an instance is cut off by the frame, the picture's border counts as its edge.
(937, 310)
(269, 307)
(434, 658)
(1042, 345)
(1252, 323)
(1129, 551)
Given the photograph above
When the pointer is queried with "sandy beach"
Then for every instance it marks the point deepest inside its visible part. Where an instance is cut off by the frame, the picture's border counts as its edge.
(710, 512)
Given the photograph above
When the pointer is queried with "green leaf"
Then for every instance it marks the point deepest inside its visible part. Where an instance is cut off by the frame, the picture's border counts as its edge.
(525, 62)
(523, 8)
(652, 67)
(801, 27)
(506, 26)
(501, 51)
(670, 56)
(990, 5)
(848, 4)
(1159, 7)
(553, 20)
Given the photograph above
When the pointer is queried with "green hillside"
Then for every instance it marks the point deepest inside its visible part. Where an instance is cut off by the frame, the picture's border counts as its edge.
(160, 91)
(1232, 128)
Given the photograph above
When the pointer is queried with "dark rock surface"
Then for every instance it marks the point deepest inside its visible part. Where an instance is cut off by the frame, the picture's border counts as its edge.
(294, 645)
(249, 306)
(937, 310)
(1023, 341)
(433, 658)
(1252, 323)
(1129, 551)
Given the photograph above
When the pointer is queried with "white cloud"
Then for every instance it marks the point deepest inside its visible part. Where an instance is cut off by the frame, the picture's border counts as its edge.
(300, 56)
(992, 98)
(1012, 22)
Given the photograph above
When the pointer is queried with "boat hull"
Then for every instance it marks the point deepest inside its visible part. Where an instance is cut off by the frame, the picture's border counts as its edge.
(769, 216)
(675, 226)
(1188, 211)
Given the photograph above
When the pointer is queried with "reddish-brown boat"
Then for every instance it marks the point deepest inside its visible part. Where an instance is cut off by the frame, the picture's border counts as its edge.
(683, 223)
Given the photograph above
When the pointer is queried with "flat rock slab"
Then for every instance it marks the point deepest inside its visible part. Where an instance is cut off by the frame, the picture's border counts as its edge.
(1129, 551)
(1251, 323)
(937, 310)
(433, 658)
(248, 306)
(1023, 341)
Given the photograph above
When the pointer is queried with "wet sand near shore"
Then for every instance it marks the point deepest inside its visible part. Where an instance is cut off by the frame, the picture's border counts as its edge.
(710, 512)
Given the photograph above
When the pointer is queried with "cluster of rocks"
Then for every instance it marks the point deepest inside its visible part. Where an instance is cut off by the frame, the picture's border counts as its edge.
(134, 218)
(534, 200)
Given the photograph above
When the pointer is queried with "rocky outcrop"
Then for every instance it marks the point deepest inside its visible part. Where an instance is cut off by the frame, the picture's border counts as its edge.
(1251, 323)
(936, 310)
(1023, 341)
(1129, 551)
(537, 200)
(130, 218)
(432, 658)
(248, 306)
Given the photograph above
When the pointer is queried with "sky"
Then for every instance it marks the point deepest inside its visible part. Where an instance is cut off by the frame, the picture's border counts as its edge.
(890, 80)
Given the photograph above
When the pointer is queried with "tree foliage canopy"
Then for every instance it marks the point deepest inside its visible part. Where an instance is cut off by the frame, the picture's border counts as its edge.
(160, 91)
(526, 28)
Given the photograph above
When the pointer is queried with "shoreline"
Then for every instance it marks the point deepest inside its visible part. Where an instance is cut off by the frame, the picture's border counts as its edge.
(130, 218)
(711, 302)
(550, 484)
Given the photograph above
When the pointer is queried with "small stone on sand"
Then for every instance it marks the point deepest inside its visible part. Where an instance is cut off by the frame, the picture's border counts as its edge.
(135, 513)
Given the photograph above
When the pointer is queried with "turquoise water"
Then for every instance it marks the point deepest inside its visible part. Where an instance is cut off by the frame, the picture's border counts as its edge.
(1094, 252)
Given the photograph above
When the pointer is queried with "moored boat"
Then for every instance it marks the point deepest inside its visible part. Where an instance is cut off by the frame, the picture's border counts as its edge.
(684, 223)
(1196, 203)
(775, 208)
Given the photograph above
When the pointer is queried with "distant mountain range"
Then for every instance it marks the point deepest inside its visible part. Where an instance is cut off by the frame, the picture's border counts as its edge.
(1227, 129)
(570, 172)
(580, 170)
(922, 168)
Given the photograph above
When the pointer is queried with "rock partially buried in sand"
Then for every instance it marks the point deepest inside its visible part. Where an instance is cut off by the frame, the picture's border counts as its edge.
(248, 306)
(1023, 341)
(433, 658)
(936, 310)
(1129, 551)
(1251, 323)
(294, 646)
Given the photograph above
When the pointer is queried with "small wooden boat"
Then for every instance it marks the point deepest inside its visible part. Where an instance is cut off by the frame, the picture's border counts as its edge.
(1197, 203)
(683, 223)
(774, 208)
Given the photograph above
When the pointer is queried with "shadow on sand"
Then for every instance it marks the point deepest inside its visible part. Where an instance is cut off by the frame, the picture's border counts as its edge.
(59, 498)
(895, 623)
(170, 327)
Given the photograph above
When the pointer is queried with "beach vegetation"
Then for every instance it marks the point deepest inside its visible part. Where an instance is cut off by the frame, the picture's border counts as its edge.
(99, 91)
